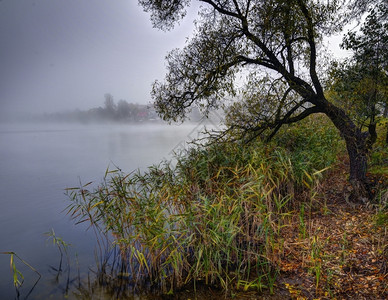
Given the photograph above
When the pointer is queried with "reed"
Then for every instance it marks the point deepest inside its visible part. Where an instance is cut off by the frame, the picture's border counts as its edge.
(18, 277)
(216, 217)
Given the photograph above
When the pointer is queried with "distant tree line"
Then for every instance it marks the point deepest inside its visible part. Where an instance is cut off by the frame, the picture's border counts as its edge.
(122, 111)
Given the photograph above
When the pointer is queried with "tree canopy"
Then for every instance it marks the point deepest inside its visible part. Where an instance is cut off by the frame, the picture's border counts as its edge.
(276, 39)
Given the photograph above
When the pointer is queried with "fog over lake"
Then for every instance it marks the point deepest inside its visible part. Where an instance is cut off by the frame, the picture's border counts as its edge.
(38, 162)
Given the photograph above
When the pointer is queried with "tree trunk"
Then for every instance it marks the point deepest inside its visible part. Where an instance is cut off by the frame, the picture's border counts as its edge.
(358, 163)
(357, 148)
(372, 134)
(386, 136)
(385, 114)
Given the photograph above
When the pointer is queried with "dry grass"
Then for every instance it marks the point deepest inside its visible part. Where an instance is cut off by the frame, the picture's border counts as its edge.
(344, 254)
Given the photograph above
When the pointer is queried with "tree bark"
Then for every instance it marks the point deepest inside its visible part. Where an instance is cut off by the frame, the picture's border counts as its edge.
(357, 148)
(358, 159)
(372, 134)
(386, 136)
(385, 114)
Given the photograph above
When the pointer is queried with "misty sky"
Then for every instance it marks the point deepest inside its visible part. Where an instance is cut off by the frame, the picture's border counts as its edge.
(65, 54)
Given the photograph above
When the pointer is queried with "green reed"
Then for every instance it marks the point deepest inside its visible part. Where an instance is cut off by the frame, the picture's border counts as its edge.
(215, 218)
(18, 277)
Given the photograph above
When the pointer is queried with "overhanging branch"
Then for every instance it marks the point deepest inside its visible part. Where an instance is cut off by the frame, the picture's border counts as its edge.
(290, 120)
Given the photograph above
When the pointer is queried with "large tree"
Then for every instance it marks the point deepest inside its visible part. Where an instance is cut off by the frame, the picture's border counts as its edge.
(276, 42)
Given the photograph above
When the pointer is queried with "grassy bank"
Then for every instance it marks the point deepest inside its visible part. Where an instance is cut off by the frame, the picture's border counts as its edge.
(238, 218)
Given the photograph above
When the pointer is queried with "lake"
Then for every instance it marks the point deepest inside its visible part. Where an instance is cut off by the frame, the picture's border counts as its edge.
(37, 163)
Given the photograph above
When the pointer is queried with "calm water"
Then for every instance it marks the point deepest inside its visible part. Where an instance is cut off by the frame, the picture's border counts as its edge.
(36, 164)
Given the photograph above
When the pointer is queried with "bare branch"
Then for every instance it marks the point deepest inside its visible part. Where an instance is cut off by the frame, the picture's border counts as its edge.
(313, 50)
(220, 9)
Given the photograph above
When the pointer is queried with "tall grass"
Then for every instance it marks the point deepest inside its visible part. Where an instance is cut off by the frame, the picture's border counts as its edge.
(216, 217)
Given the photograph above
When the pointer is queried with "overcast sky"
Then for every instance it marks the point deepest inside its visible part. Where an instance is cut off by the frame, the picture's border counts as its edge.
(65, 54)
